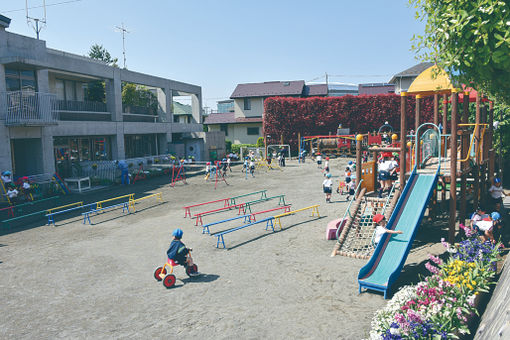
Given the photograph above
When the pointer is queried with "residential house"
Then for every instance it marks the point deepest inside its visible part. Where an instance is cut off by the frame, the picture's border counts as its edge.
(376, 88)
(244, 125)
(404, 79)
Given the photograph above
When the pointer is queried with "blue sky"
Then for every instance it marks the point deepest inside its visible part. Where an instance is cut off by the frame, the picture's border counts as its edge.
(219, 43)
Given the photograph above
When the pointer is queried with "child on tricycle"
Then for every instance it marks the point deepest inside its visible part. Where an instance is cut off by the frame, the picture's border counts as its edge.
(178, 254)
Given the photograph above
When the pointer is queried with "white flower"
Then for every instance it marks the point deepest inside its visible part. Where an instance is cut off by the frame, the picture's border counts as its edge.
(394, 331)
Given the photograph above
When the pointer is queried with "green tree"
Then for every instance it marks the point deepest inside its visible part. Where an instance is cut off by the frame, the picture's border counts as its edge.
(470, 40)
(134, 95)
(98, 52)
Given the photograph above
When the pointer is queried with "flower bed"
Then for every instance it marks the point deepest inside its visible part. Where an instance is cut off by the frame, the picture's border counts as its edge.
(440, 306)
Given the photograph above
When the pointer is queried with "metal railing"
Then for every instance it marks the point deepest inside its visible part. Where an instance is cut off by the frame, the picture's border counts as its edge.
(76, 105)
(28, 108)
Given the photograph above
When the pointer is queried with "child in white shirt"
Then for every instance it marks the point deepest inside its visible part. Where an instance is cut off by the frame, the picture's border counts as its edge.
(318, 158)
(327, 186)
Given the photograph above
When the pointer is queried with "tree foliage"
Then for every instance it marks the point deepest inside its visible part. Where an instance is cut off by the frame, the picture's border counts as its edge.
(138, 96)
(289, 117)
(98, 52)
(470, 40)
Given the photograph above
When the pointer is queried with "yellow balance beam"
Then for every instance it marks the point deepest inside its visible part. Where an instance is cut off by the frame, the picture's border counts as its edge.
(65, 206)
(99, 204)
(314, 208)
(158, 195)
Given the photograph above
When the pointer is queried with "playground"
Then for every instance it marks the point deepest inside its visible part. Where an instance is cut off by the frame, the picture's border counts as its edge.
(96, 281)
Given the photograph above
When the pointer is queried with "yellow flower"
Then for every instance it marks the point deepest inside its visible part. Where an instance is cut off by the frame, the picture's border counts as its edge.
(469, 286)
(473, 282)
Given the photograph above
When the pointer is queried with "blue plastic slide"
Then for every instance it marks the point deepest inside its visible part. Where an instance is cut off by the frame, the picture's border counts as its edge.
(391, 253)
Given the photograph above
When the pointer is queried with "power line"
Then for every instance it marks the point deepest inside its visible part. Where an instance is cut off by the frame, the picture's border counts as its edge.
(41, 6)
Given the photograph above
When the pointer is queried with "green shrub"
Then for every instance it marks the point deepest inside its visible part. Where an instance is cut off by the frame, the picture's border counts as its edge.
(228, 145)
(260, 142)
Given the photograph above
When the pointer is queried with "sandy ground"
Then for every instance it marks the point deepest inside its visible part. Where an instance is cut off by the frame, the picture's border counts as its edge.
(81, 281)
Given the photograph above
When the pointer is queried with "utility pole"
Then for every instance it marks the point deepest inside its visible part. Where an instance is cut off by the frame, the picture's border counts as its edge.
(123, 30)
(326, 78)
(31, 20)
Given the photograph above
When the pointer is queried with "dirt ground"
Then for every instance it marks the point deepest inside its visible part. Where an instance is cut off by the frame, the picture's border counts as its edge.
(81, 281)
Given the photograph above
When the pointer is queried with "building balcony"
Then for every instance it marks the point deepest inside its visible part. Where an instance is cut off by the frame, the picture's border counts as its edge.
(76, 105)
(28, 108)
(74, 110)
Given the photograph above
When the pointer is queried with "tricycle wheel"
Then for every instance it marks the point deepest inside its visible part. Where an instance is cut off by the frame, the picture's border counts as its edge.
(169, 281)
(159, 271)
(191, 269)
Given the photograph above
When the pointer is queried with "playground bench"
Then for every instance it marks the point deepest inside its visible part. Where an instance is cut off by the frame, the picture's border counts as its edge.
(187, 208)
(205, 227)
(99, 203)
(56, 211)
(261, 192)
(285, 208)
(314, 209)
(199, 215)
(281, 201)
(158, 195)
(220, 239)
(86, 215)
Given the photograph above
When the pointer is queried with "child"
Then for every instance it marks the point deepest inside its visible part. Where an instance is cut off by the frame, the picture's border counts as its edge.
(341, 187)
(318, 158)
(485, 227)
(26, 188)
(6, 177)
(350, 187)
(228, 164)
(380, 228)
(207, 170)
(496, 192)
(478, 215)
(252, 167)
(224, 167)
(12, 193)
(327, 186)
(179, 253)
(326, 166)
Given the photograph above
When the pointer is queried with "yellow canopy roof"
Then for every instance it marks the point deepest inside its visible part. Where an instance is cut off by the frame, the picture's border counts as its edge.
(431, 81)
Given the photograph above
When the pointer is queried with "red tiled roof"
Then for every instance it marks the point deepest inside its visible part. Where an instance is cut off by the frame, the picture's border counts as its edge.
(269, 88)
(229, 118)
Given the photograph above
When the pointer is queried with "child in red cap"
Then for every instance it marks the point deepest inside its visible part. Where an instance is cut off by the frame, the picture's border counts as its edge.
(380, 228)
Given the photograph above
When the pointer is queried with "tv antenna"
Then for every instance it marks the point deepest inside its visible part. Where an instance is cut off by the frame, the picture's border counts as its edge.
(123, 30)
(37, 23)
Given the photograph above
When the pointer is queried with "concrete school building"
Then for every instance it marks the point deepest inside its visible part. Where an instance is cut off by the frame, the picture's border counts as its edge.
(58, 108)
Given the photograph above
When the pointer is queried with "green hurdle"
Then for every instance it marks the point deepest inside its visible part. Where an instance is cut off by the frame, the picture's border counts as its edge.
(261, 192)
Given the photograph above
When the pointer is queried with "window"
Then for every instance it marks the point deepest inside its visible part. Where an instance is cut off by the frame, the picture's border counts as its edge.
(247, 103)
(176, 119)
(140, 145)
(17, 80)
(253, 131)
(224, 128)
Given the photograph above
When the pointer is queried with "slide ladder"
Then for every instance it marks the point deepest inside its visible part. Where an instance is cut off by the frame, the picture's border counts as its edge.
(357, 239)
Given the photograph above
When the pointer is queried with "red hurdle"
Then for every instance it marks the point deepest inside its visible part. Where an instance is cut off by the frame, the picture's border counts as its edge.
(187, 208)
(286, 208)
(199, 215)
(10, 210)
(178, 176)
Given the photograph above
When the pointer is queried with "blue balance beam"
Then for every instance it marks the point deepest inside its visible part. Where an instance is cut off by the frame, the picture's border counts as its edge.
(269, 222)
(86, 215)
(50, 216)
(205, 228)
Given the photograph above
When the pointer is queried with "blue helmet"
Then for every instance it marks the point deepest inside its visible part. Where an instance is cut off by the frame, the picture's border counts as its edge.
(495, 216)
(350, 163)
(6, 173)
(497, 180)
(328, 175)
(177, 233)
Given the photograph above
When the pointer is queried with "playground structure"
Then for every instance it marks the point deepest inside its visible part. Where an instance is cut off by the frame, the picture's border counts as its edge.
(429, 155)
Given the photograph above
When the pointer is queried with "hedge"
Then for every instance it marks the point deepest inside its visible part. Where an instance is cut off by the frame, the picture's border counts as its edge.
(322, 115)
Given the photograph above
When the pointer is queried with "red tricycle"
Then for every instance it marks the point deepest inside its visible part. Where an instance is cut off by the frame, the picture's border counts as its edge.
(162, 273)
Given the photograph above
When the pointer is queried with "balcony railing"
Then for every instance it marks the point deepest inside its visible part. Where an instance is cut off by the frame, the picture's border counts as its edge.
(81, 106)
(28, 108)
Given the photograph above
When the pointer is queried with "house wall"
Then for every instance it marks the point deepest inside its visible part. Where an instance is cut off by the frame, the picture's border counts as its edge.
(257, 108)
(19, 51)
(238, 133)
(402, 84)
